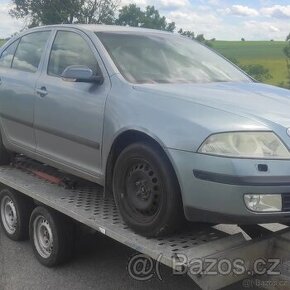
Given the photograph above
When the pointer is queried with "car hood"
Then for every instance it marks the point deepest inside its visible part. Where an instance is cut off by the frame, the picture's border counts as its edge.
(263, 103)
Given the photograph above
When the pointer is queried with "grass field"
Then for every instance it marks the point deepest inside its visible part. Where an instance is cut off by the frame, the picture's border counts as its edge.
(267, 53)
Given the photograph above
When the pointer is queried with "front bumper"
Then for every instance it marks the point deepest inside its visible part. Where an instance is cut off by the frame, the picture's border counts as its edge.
(213, 188)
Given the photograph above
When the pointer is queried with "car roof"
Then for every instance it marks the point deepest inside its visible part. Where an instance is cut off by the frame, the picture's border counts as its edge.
(102, 27)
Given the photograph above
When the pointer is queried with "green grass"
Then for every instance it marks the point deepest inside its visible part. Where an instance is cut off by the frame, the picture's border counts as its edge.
(267, 53)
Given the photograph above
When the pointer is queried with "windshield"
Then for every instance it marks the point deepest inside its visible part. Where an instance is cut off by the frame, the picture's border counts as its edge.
(162, 58)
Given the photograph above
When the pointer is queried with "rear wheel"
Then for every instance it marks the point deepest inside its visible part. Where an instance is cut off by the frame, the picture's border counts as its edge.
(15, 210)
(146, 191)
(51, 235)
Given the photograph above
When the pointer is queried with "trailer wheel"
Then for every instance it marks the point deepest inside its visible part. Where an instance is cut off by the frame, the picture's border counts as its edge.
(15, 210)
(51, 235)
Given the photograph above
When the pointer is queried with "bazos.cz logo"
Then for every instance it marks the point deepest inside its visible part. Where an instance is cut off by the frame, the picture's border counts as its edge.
(143, 268)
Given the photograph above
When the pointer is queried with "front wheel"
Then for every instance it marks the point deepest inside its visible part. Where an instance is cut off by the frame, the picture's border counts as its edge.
(146, 191)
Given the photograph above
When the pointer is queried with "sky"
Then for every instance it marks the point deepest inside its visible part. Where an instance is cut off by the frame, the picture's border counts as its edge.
(220, 19)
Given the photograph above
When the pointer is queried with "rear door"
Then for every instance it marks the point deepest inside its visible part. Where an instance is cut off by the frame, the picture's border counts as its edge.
(69, 115)
(19, 71)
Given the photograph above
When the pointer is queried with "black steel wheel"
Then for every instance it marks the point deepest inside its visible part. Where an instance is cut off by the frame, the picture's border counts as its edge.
(146, 191)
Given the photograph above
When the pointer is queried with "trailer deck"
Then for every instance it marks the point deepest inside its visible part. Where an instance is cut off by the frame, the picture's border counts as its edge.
(86, 204)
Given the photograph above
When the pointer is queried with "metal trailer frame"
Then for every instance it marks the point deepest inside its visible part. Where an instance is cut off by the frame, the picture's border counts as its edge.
(87, 205)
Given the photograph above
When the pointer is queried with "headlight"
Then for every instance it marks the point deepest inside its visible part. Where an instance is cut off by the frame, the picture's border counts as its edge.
(246, 145)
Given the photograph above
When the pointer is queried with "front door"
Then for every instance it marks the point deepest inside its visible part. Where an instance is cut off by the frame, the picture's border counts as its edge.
(69, 115)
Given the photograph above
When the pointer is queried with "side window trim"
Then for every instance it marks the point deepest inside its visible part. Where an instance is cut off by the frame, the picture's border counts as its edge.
(41, 66)
(50, 52)
(19, 39)
(47, 53)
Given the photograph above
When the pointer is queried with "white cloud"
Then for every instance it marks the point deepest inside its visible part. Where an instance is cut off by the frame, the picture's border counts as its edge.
(173, 4)
(277, 11)
(214, 2)
(265, 26)
(159, 4)
(265, 30)
(241, 10)
(8, 25)
(140, 3)
(214, 21)
(195, 21)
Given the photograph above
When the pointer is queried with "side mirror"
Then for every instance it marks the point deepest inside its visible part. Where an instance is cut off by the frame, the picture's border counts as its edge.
(81, 73)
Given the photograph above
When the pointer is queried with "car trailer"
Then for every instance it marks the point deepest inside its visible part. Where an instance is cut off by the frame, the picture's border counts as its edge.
(55, 199)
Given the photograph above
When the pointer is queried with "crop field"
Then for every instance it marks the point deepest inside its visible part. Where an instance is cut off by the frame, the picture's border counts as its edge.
(266, 53)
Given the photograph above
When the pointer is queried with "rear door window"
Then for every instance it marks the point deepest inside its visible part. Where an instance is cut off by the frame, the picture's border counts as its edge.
(8, 54)
(29, 51)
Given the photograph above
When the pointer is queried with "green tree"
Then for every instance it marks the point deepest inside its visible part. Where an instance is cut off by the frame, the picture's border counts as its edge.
(256, 71)
(152, 19)
(64, 11)
(187, 33)
(191, 35)
(200, 38)
(132, 15)
(98, 11)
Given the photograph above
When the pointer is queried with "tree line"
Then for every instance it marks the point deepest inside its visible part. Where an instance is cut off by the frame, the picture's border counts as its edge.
(88, 12)
(94, 12)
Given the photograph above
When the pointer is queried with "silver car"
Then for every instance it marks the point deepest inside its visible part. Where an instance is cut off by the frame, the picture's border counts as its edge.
(171, 128)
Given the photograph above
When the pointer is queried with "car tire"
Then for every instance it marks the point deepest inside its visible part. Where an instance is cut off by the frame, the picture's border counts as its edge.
(146, 191)
(51, 236)
(15, 210)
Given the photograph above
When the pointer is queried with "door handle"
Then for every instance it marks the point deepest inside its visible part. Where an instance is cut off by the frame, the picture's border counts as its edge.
(42, 92)
(0, 81)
